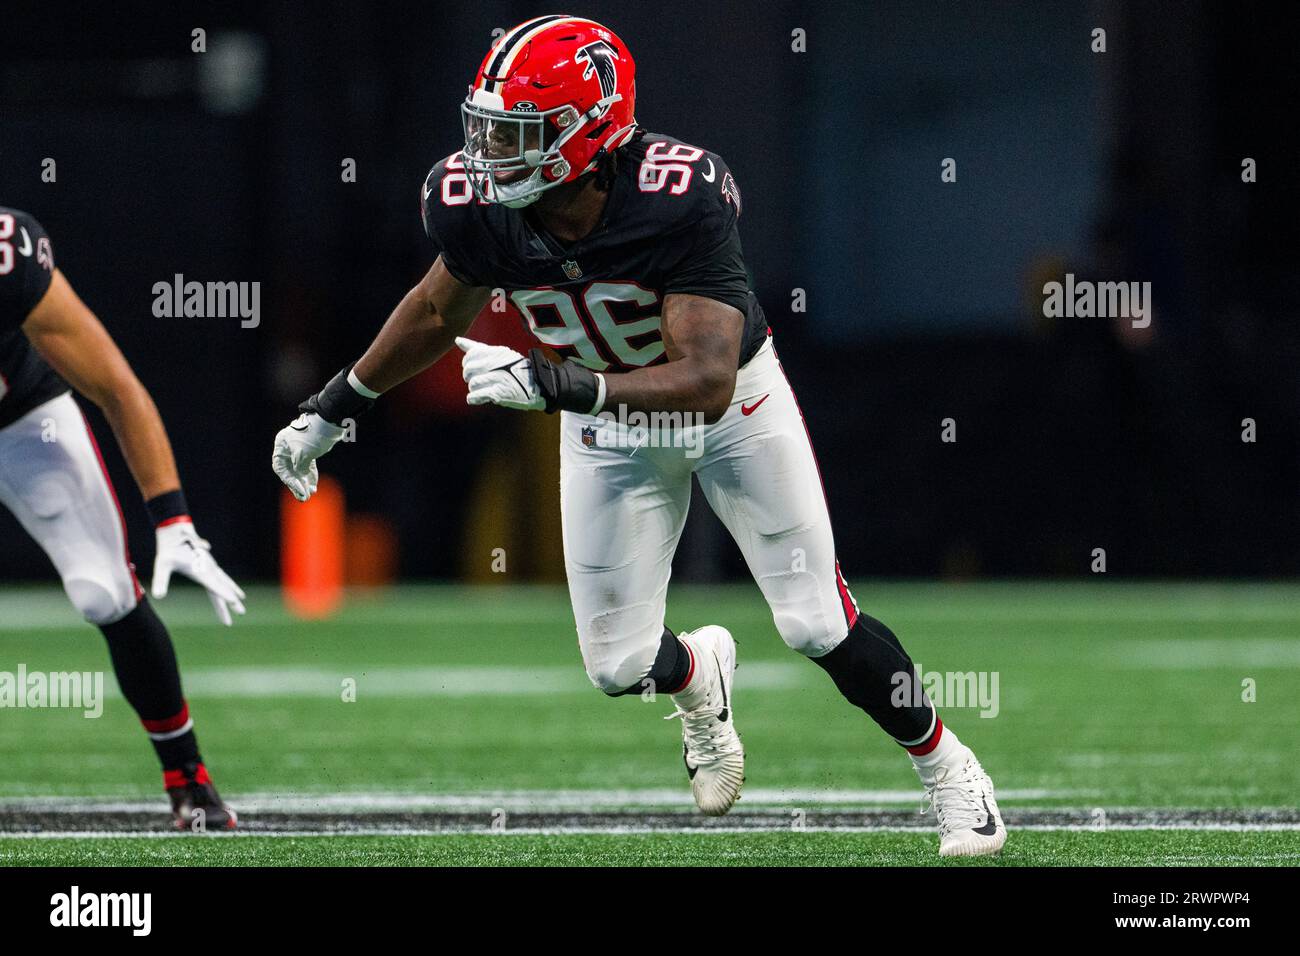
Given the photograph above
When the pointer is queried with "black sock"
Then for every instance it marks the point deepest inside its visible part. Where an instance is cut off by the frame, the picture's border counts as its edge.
(670, 670)
(145, 664)
(873, 672)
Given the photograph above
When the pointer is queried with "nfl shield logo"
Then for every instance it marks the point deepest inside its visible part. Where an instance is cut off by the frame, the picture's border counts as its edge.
(571, 269)
(588, 435)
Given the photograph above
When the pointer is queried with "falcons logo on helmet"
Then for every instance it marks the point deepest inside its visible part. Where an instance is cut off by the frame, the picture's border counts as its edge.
(598, 58)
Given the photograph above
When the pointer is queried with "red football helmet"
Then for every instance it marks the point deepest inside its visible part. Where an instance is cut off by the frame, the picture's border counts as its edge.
(550, 97)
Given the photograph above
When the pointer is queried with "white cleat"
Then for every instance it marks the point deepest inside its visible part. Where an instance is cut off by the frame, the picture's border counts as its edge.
(711, 748)
(962, 797)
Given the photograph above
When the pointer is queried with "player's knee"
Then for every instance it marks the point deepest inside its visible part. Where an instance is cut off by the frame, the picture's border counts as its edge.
(808, 634)
(619, 646)
(99, 602)
(621, 675)
(799, 613)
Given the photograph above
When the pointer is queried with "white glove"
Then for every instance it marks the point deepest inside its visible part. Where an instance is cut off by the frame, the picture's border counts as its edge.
(181, 549)
(498, 375)
(297, 446)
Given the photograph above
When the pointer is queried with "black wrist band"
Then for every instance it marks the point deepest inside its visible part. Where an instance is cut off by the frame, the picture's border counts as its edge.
(568, 386)
(166, 507)
(337, 400)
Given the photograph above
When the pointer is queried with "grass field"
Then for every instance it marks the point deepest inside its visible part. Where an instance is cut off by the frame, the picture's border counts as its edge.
(1121, 735)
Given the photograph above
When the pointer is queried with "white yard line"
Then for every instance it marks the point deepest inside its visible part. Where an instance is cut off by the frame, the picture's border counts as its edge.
(280, 681)
(542, 801)
(361, 830)
(452, 680)
(456, 680)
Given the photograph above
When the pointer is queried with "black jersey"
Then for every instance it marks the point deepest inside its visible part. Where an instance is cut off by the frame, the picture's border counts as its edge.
(669, 226)
(26, 269)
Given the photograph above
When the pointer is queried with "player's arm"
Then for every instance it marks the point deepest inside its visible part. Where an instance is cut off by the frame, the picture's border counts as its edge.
(70, 337)
(422, 328)
(702, 340)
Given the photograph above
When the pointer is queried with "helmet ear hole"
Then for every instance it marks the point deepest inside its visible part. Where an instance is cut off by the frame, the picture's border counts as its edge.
(599, 131)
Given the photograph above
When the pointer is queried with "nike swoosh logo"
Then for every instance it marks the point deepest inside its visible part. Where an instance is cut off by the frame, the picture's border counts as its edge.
(711, 175)
(750, 409)
(509, 368)
(25, 250)
(722, 716)
(299, 428)
(726, 709)
(990, 825)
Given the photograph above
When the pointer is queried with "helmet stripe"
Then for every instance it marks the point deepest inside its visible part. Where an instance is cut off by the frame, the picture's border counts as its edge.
(512, 39)
(522, 43)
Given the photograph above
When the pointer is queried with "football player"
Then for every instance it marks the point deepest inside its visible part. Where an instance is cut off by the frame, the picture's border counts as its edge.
(52, 479)
(620, 249)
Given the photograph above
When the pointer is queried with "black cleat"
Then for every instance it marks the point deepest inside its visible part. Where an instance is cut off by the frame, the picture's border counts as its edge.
(196, 806)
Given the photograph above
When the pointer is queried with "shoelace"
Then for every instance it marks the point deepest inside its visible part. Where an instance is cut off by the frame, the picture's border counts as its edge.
(958, 803)
(700, 728)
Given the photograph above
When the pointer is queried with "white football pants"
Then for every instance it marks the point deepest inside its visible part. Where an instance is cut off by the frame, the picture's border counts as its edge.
(625, 491)
(54, 482)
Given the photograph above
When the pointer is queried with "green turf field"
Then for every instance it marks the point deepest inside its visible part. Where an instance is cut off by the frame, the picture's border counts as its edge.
(475, 737)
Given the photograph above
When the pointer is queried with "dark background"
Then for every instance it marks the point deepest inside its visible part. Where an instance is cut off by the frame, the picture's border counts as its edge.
(923, 298)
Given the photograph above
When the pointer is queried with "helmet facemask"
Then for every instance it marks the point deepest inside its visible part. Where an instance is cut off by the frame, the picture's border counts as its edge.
(519, 145)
